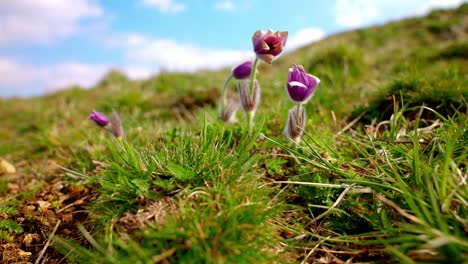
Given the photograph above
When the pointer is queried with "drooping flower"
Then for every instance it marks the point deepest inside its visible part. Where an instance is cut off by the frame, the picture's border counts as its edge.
(227, 112)
(242, 71)
(295, 124)
(300, 85)
(249, 103)
(99, 118)
(268, 45)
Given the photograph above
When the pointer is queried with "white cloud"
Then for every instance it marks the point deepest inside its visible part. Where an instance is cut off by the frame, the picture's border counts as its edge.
(137, 71)
(173, 56)
(165, 6)
(124, 40)
(444, 3)
(144, 57)
(153, 55)
(354, 13)
(24, 79)
(303, 37)
(226, 5)
(147, 55)
(43, 21)
(358, 13)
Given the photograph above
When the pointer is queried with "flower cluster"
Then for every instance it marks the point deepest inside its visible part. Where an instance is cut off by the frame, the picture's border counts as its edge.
(267, 46)
(300, 87)
(112, 124)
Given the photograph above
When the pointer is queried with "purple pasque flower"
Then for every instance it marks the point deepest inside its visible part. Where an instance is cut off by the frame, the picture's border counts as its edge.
(268, 45)
(249, 104)
(300, 85)
(99, 118)
(295, 124)
(242, 71)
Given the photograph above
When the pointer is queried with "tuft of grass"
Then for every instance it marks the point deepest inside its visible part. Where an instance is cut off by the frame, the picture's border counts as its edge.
(341, 60)
(409, 191)
(212, 187)
(457, 50)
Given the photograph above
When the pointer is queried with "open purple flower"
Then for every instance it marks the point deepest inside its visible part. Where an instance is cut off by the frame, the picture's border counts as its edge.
(268, 45)
(301, 85)
(99, 118)
(242, 71)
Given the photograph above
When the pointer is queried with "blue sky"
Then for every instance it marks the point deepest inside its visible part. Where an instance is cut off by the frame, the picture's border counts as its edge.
(46, 45)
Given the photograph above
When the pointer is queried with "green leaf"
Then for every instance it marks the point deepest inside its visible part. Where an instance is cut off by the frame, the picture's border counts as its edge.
(180, 172)
(166, 185)
(141, 184)
(8, 210)
(11, 225)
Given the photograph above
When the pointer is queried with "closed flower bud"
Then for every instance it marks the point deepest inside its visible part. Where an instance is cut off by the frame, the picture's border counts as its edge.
(99, 119)
(295, 124)
(268, 45)
(227, 113)
(249, 105)
(116, 125)
(242, 71)
(301, 85)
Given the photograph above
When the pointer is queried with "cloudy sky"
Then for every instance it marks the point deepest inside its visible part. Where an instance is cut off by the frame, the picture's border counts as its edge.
(46, 45)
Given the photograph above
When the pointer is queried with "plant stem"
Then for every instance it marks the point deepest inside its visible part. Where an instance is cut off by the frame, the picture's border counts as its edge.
(250, 117)
(252, 76)
(298, 112)
(224, 93)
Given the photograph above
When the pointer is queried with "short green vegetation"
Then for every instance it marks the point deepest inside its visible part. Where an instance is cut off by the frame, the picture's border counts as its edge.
(380, 174)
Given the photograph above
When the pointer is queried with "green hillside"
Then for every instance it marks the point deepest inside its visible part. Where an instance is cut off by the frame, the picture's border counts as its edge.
(380, 175)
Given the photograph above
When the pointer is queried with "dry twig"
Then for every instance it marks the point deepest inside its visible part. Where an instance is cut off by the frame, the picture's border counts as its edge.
(47, 243)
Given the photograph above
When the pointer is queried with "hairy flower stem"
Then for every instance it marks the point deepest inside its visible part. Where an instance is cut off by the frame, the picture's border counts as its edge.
(298, 113)
(298, 122)
(224, 93)
(253, 75)
(250, 118)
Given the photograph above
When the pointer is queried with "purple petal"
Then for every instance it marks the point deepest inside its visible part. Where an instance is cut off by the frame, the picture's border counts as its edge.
(269, 43)
(312, 81)
(242, 71)
(300, 85)
(99, 118)
(298, 93)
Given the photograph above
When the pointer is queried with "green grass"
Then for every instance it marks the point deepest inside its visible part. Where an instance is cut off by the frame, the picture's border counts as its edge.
(206, 182)
(380, 175)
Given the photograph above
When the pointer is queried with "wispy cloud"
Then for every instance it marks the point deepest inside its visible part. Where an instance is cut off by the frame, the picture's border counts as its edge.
(303, 37)
(354, 13)
(146, 56)
(358, 13)
(165, 6)
(25, 79)
(442, 4)
(170, 55)
(226, 5)
(43, 21)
